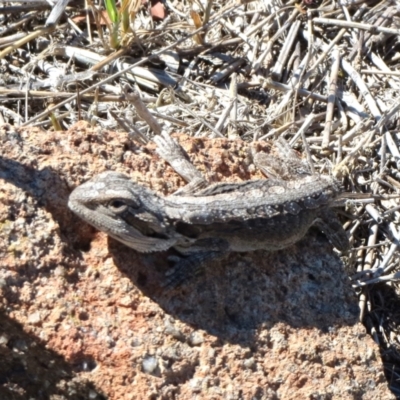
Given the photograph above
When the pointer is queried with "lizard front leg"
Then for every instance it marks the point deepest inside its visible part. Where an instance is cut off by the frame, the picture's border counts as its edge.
(195, 260)
(191, 266)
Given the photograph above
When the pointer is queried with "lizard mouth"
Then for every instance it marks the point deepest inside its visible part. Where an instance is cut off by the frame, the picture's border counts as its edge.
(134, 238)
(130, 231)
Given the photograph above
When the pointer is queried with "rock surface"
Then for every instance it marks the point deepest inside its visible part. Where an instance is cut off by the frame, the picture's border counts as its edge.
(84, 317)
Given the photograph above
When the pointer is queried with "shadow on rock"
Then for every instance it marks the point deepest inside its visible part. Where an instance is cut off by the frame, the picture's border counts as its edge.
(49, 188)
(303, 286)
(385, 320)
(29, 370)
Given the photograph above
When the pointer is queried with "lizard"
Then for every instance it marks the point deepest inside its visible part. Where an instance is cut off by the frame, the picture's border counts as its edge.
(206, 221)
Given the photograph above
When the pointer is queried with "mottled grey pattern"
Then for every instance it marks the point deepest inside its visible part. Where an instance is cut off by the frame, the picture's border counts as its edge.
(204, 222)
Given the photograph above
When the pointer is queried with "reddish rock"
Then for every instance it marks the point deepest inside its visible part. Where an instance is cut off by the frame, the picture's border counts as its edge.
(84, 317)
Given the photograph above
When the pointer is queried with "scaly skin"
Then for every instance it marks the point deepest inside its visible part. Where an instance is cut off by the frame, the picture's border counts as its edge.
(205, 222)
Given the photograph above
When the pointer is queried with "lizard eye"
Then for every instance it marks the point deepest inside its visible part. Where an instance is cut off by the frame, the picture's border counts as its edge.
(117, 205)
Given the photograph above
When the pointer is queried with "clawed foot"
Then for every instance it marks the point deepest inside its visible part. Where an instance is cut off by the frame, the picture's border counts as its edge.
(186, 268)
(183, 270)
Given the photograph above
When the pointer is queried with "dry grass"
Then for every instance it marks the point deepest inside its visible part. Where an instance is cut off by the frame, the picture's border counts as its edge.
(321, 74)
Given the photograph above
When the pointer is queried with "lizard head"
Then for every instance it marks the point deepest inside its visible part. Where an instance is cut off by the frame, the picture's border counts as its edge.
(125, 210)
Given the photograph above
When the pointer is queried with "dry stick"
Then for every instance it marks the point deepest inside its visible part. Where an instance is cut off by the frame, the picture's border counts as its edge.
(386, 117)
(368, 262)
(355, 76)
(361, 127)
(170, 119)
(300, 76)
(12, 38)
(379, 63)
(285, 52)
(301, 132)
(235, 30)
(221, 121)
(283, 106)
(263, 23)
(382, 154)
(383, 20)
(388, 114)
(11, 114)
(27, 94)
(270, 84)
(56, 12)
(202, 120)
(97, 18)
(293, 62)
(23, 20)
(394, 184)
(384, 266)
(232, 127)
(386, 184)
(339, 156)
(356, 223)
(363, 143)
(26, 39)
(251, 51)
(109, 59)
(127, 69)
(325, 52)
(275, 132)
(225, 72)
(331, 100)
(362, 305)
(349, 3)
(392, 147)
(366, 40)
(88, 27)
(27, 8)
(130, 128)
(146, 77)
(356, 25)
(353, 33)
(391, 277)
(176, 11)
(374, 213)
(42, 94)
(142, 110)
(379, 72)
(257, 65)
(393, 209)
(343, 117)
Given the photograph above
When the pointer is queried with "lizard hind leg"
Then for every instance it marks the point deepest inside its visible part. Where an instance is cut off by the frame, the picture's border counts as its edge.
(287, 165)
(329, 224)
